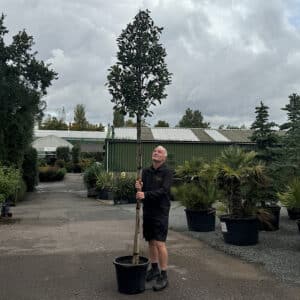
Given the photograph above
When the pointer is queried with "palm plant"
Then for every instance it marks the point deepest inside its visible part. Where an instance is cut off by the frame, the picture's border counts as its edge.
(291, 198)
(236, 169)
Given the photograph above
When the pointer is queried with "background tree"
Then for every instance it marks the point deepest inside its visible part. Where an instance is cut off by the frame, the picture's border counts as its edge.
(138, 80)
(291, 139)
(80, 121)
(23, 83)
(192, 119)
(119, 119)
(52, 123)
(162, 123)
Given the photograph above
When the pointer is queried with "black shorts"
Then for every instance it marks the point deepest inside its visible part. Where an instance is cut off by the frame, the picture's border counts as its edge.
(155, 229)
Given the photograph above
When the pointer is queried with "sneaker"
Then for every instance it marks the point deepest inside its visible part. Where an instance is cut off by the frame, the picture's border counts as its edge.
(161, 283)
(152, 274)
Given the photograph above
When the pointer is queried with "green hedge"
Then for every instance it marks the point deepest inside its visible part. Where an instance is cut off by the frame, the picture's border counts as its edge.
(50, 173)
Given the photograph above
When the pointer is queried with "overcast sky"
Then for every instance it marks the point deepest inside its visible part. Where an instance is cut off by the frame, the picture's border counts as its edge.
(225, 55)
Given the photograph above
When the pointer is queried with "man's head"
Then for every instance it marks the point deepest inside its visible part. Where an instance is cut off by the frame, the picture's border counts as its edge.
(159, 155)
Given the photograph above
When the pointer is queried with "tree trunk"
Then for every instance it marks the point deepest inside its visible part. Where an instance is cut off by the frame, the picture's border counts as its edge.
(136, 244)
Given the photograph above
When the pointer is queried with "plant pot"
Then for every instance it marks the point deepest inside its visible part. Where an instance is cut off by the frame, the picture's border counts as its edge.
(294, 213)
(92, 192)
(298, 223)
(239, 231)
(105, 194)
(201, 220)
(273, 223)
(131, 279)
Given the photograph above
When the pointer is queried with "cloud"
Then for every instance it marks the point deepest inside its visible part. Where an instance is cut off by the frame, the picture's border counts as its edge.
(225, 56)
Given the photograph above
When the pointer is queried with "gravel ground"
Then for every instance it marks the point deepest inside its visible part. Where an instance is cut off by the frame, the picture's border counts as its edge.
(278, 251)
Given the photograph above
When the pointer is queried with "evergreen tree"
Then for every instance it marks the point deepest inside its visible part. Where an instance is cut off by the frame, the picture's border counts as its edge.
(192, 119)
(263, 133)
(23, 82)
(80, 122)
(52, 123)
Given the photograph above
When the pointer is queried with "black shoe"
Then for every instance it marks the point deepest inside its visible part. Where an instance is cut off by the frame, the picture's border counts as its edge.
(152, 274)
(161, 283)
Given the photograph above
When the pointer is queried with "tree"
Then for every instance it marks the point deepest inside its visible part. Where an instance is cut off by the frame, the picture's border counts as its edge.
(192, 119)
(52, 123)
(119, 120)
(291, 140)
(263, 133)
(138, 80)
(80, 122)
(162, 123)
(23, 82)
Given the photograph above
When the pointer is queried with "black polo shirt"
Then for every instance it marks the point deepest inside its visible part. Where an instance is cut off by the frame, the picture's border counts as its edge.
(156, 186)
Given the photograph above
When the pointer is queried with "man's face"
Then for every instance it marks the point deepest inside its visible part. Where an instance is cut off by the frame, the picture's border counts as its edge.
(158, 155)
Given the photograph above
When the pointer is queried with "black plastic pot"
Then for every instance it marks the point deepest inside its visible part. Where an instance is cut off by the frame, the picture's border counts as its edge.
(201, 220)
(239, 231)
(273, 223)
(298, 223)
(105, 194)
(294, 213)
(131, 278)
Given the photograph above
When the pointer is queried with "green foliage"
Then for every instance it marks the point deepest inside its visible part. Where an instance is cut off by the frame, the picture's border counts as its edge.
(162, 123)
(118, 120)
(10, 180)
(50, 173)
(237, 170)
(291, 198)
(63, 153)
(198, 189)
(30, 168)
(52, 123)
(139, 77)
(76, 154)
(80, 121)
(192, 119)
(23, 83)
(124, 187)
(104, 181)
(90, 174)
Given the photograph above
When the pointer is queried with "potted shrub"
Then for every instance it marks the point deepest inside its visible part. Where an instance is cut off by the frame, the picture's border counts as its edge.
(104, 185)
(235, 169)
(291, 199)
(197, 193)
(90, 178)
(124, 191)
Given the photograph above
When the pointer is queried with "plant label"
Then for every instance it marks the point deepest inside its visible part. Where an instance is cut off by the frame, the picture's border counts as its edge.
(223, 227)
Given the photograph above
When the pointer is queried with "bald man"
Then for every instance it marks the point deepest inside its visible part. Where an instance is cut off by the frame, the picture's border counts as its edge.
(155, 195)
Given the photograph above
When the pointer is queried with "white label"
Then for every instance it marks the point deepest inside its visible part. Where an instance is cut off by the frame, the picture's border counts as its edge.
(223, 227)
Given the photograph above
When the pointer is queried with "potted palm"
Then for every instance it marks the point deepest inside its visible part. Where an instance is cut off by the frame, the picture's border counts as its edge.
(197, 193)
(235, 169)
(291, 199)
(90, 178)
(104, 185)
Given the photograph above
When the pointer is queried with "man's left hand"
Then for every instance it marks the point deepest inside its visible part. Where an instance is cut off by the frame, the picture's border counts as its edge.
(140, 195)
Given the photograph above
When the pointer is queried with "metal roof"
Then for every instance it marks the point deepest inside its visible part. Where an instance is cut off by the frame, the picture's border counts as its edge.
(216, 136)
(71, 134)
(174, 134)
(50, 143)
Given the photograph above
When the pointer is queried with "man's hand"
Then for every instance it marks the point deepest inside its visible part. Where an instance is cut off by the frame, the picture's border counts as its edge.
(139, 185)
(140, 195)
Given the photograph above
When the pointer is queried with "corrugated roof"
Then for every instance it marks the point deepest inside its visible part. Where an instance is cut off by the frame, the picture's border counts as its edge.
(71, 134)
(216, 135)
(202, 135)
(174, 134)
(237, 135)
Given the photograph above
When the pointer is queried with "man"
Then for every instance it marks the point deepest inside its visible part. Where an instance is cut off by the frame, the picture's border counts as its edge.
(154, 191)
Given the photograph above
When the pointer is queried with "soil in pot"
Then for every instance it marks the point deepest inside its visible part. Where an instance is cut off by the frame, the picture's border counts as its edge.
(201, 220)
(294, 213)
(239, 231)
(131, 278)
(272, 222)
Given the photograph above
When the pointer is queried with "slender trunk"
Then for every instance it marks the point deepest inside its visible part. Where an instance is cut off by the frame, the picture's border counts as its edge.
(136, 244)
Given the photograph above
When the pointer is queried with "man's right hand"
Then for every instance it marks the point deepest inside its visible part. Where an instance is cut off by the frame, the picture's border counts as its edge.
(139, 185)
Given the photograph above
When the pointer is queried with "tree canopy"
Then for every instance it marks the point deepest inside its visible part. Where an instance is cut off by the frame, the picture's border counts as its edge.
(162, 123)
(192, 119)
(23, 82)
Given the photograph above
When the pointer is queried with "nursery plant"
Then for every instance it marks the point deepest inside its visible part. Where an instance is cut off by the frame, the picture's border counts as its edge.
(136, 81)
